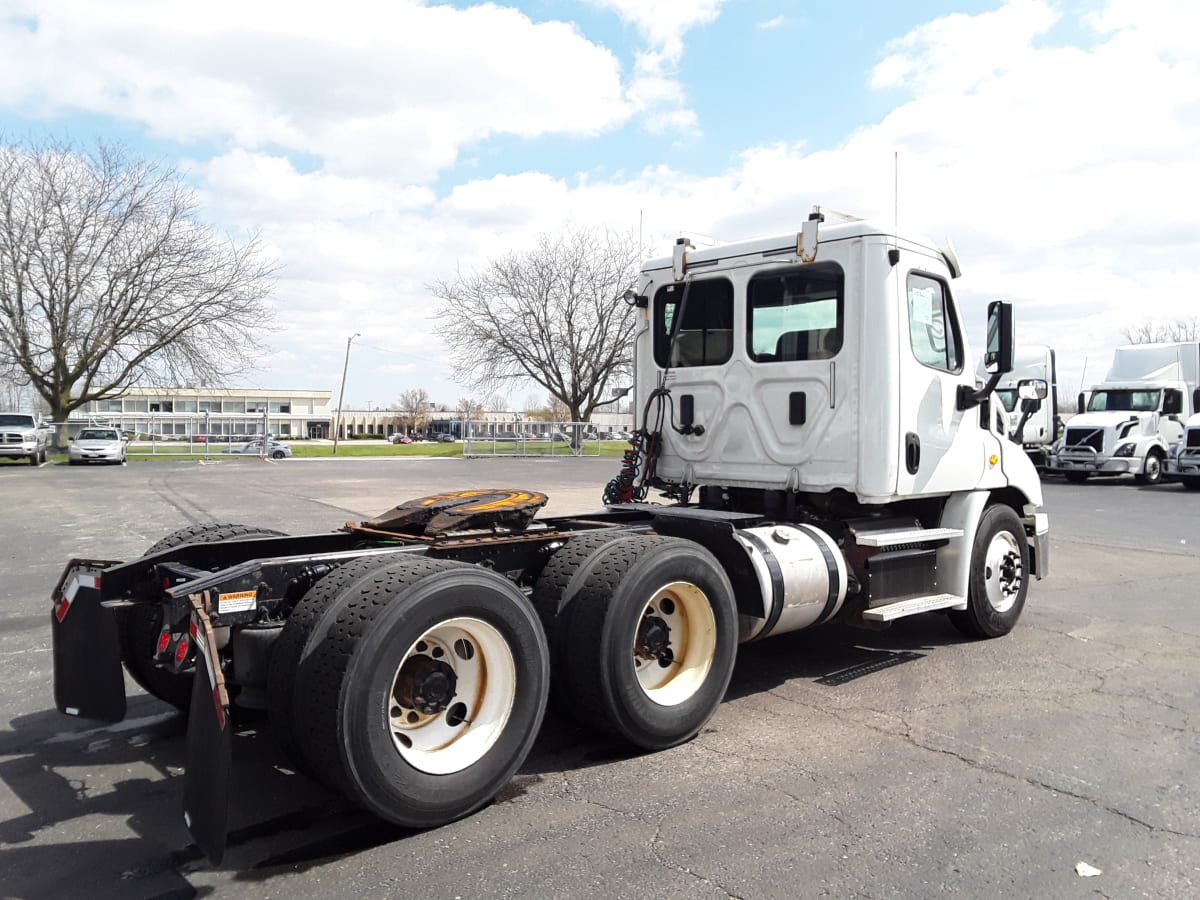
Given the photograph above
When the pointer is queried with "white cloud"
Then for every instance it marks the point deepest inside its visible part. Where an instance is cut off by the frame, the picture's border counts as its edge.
(366, 86)
(662, 24)
(768, 24)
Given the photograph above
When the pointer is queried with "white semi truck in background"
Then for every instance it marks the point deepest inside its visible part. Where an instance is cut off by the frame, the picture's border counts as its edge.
(1183, 461)
(818, 449)
(1032, 423)
(1131, 420)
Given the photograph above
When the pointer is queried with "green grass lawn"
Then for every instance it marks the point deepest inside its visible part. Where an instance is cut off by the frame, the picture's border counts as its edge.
(175, 452)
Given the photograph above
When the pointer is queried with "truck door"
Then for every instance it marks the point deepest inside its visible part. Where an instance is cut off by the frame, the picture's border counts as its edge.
(941, 447)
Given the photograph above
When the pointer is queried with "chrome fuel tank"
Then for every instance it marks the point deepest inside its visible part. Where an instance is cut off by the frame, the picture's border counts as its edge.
(802, 576)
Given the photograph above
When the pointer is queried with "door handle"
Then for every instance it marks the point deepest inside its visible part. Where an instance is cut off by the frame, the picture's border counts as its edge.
(912, 453)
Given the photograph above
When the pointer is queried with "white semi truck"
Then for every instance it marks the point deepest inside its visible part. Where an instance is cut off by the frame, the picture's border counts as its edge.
(817, 449)
(1132, 418)
(1183, 460)
(1032, 423)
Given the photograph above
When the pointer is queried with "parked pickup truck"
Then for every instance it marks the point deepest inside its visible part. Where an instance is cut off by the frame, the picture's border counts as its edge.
(24, 436)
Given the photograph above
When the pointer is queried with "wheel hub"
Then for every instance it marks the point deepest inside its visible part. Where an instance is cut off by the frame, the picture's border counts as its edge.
(654, 640)
(425, 684)
(1010, 573)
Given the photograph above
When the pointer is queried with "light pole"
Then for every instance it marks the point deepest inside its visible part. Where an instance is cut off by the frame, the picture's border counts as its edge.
(337, 423)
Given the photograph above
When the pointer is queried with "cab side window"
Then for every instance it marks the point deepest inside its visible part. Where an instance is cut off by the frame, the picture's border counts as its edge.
(932, 327)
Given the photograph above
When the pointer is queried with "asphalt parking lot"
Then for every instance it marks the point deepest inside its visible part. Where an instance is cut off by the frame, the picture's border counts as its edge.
(843, 763)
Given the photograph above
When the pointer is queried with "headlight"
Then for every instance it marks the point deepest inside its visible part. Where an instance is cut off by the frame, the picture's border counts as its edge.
(1125, 450)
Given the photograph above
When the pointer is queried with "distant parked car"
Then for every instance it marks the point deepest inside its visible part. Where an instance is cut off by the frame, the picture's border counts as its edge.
(96, 445)
(401, 439)
(275, 450)
(445, 438)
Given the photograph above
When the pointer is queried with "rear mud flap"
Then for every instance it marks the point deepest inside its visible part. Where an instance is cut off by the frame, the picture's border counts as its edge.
(209, 744)
(88, 681)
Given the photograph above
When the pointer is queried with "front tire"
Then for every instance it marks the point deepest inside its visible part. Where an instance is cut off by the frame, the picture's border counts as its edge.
(650, 639)
(999, 576)
(426, 692)
(1153, 470)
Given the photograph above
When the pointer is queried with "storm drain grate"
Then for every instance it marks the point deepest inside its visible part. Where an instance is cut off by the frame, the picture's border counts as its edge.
(878, 663)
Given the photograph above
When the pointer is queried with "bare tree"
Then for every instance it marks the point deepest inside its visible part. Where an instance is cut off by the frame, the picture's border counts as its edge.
(415, 409)
(1149, 332)
(553, 314)
(108, 278)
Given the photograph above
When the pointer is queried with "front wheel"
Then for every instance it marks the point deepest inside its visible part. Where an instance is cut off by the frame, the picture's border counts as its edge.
(1153, 470)
(278, 454)
(999, 576)
(425, 693)
(649, 640)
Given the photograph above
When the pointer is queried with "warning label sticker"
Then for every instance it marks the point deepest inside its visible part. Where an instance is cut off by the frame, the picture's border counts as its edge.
(236, 602)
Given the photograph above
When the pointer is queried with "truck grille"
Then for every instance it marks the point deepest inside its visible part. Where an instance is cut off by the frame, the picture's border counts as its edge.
(10, 437)
(1193, 437)
(1090, 437)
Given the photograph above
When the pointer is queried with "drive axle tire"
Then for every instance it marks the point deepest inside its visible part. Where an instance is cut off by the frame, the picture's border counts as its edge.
(422, 689)
(649, 640)
(999, 577)
(139, 625)
(289, 647)
(557, 584)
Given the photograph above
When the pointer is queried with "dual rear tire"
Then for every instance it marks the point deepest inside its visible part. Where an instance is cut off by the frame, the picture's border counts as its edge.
(418, 688)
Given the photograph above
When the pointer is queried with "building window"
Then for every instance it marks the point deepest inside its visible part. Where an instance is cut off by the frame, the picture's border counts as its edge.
(281, 408)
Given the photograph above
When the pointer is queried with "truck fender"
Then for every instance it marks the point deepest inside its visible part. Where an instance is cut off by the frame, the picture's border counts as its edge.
(963, 511)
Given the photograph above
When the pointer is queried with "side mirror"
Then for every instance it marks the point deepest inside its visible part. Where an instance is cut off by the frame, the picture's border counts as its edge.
(1079, 403)
(1172, 402)
(1032, 389)
(1196, 400)
(1000, 338)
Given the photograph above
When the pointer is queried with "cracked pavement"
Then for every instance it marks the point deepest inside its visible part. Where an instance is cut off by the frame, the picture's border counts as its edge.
(945, 767)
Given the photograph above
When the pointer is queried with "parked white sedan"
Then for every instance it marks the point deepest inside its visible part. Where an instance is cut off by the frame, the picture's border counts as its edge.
(96, 445)
(274, 449)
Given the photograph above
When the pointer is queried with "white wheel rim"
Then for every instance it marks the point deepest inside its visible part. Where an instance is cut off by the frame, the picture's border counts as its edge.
(1003, 572)
(465, 726)
(673, 670)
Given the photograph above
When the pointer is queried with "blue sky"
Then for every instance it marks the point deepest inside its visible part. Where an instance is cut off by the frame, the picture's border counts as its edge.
(378, 145)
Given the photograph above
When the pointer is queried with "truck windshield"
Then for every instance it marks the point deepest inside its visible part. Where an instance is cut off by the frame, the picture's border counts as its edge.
(17, 421)
(1124, 400)
(1007, 396)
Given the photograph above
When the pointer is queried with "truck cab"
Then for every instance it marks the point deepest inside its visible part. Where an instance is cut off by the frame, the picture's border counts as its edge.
(834, 369)
(1183, 457)
(1131, 420)
(826, 377)
(1032, 423)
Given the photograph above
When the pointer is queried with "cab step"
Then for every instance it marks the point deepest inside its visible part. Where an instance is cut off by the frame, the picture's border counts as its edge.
(913, 606)
(894, 537)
